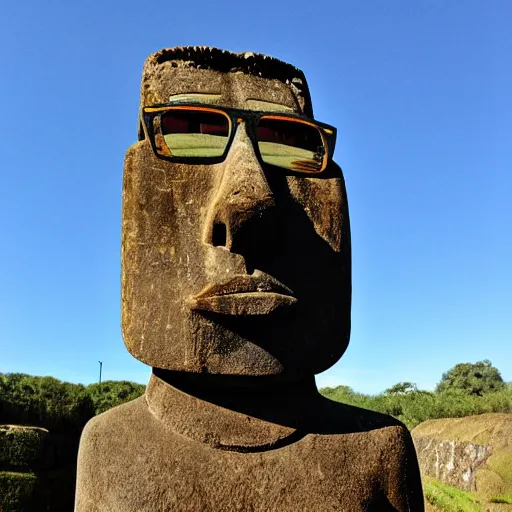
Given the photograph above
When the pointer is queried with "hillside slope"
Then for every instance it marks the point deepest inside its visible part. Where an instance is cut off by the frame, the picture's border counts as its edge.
(492, 474)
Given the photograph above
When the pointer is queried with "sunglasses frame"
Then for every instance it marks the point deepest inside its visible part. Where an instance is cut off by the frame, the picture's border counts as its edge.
(235, 116)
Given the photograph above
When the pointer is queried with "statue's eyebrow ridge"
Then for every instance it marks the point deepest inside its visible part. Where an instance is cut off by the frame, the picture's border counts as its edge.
(200, 97)
(258, 104)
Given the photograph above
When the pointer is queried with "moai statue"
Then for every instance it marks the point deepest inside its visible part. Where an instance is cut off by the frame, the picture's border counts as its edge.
(236, 290)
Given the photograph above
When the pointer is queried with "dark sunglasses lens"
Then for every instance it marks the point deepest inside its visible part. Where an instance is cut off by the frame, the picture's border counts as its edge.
(191, 133)
(290, 144)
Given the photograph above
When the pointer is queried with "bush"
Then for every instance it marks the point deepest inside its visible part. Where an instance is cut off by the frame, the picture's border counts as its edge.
(414, 407)
(44, 401)
(111, 393)
(465, 390)
(63, 409)
(17, 492)
(401, 388)
(21, 447)
(501, 401)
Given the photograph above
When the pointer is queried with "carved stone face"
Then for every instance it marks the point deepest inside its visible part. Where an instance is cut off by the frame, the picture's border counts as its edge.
(232, 268)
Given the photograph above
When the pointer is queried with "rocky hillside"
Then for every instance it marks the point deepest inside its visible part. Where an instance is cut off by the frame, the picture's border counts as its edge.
(471, 454)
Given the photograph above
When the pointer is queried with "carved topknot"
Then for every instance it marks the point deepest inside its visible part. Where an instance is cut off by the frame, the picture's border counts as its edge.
(224, 61)
(257, 64)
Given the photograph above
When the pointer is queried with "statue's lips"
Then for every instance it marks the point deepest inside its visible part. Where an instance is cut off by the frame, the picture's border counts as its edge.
(257, 294)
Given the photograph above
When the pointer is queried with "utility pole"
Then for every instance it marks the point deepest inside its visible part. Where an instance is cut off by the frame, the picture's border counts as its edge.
(101, 364)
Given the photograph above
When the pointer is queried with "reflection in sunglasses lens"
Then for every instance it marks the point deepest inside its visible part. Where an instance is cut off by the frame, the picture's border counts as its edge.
(290, 144)
(194, 133)
(190, 132)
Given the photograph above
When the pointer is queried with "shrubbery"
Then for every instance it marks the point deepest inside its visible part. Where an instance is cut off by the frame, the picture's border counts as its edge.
(61, 408)
(17, 492)
(44, 401)
(110, 393)
(412, 406)
(21, 448)
(416, 407)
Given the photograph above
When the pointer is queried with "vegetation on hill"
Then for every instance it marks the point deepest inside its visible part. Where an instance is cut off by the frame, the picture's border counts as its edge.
(465, 390)
(414, 407)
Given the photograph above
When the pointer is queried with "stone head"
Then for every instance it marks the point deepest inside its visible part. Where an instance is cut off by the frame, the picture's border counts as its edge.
(235, 266)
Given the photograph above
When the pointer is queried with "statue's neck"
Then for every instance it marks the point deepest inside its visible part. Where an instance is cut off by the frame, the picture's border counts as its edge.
(242, 414)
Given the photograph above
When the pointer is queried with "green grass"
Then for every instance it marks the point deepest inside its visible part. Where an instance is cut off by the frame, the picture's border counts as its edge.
(205, 145)
(501, 463)
(197, 144)
(450, 499)
(502, 498)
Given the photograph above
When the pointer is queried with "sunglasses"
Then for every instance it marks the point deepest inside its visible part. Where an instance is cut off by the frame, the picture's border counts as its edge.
(201, 134)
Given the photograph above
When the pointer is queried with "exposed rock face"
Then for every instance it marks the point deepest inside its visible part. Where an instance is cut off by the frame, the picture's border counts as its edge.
(453, 462)
(473, 453)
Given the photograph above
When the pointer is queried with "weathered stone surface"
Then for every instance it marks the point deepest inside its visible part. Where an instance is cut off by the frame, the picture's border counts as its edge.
(453, 462)
(183, 453)
(285, 228)
(236, 289)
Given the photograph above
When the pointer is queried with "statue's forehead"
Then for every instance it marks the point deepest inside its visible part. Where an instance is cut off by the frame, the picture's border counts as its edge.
(233, 89)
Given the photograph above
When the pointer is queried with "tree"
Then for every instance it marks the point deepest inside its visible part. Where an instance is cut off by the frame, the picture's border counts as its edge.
(110, 393)
(43, 401)
(472, 378)
(401, 388)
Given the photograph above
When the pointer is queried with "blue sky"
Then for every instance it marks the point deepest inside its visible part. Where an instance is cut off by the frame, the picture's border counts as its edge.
(421, 95)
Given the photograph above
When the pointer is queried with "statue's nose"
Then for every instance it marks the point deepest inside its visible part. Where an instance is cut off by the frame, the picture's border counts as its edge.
(242, 211)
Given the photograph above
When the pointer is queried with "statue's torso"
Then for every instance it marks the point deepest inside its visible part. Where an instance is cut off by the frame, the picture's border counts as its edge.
(132, 463)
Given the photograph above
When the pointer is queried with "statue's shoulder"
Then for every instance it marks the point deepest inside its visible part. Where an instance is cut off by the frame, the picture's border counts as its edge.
(105, 446)
(377, 444)
(114, 423)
